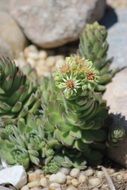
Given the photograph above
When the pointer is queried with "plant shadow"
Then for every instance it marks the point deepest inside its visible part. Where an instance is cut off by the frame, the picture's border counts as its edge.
(110, 18)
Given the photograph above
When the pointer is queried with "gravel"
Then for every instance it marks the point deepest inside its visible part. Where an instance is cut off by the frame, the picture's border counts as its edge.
(96, 180)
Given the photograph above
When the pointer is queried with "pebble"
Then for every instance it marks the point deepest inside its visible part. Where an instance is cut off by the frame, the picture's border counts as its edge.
(110, 170)
(34, 183)
(82, 178)
(75, 172)
(69, 178)
(71, 188)
(33, 55)
(43, 182)
(29, 49)
(33, 176)
(25, 187)
(89, 172)
(119, 177)
(65, 171)
(36, 188)
(125, 176)
(42, 55)
(75, 182)
(39, 171)
(50, 61)
(58, 178)
(99, 174)
(54, 186)
(94, 181)
(31, 62)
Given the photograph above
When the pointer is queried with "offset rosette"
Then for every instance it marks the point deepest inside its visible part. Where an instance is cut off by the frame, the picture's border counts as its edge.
(18, 96)
(94, 46)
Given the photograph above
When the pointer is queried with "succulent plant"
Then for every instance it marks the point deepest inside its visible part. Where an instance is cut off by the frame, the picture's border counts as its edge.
(18, 96)
(117, 130)
(94, 46)
(25, 143)
(70, 129)
(29, 143)
(75, 111)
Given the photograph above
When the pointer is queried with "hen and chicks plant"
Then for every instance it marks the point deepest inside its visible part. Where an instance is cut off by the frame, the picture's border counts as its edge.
(59, 121)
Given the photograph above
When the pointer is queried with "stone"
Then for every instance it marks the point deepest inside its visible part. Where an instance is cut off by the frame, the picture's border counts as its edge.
(116, 96)
(75, 182)
(25, 187)
(35, 183)
(12, 39)
(65, 171)
(43, 182)
(42, 55)
(5, 48)
(4, 5)
(36, 188)
(58, 178)
(5, 188)
(89, 172)
(71, 187)
(117, 36)
(33, 176)
(14, 175)
(94, 181)
(82, 178)
(51, 23)
(99, 174)
(54, 186)
(75, 172)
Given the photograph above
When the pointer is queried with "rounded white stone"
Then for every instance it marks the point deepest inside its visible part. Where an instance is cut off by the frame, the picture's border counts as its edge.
(55, 186)
(58, 178)
(100, 174)
(65, 171)
(82, 178)
(34, 184)
(94, 181)
(75, 182)
(43, 182)
(89, 172)
(42, 54)
(75, 172)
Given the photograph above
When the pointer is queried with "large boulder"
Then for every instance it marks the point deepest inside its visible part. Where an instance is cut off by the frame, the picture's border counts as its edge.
(4, 5)
(116, 96)
(51, 23)
(12, 40)
(116, 22)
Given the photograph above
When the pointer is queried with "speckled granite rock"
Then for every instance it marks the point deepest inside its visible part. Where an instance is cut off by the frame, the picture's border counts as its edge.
(52, 23)
(12, 39)
(116, 22)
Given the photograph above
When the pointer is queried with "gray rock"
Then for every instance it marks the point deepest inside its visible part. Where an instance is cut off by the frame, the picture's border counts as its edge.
(117, 37)
(4, 5)
(116, 96)
(5, 48)
(53, 23)
(5, 188)
(12, 40)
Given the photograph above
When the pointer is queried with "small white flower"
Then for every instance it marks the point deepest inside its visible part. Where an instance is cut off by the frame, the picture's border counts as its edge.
(70, 85)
